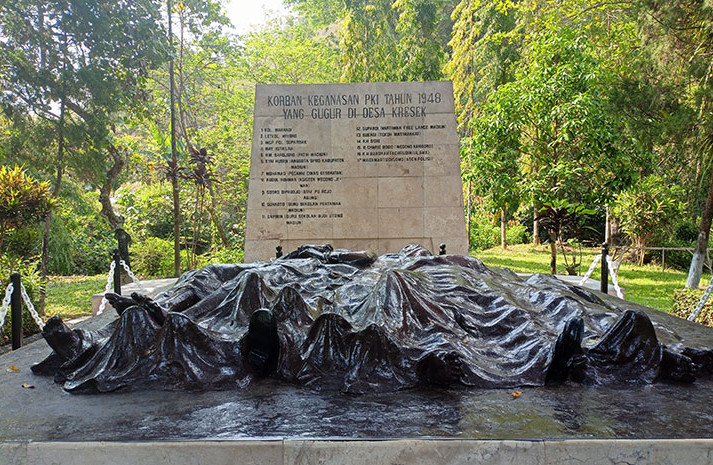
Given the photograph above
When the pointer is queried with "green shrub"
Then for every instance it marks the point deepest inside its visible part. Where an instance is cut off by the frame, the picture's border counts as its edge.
(686, 231)
(647, 210)
(152, 257)
(222, 255)
(685, 301)
(483, 236)
(24, 201)
(81, 240)
(517, 234)
(148, 210)
(93, 256)
(485, 233)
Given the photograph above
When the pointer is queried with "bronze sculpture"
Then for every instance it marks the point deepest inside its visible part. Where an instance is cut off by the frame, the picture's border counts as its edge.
(336, 319)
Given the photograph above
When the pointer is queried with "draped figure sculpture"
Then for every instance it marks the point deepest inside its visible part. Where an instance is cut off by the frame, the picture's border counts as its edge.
(350, 321)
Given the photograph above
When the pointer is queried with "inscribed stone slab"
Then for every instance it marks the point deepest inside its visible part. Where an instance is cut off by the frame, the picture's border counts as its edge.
(372, 165)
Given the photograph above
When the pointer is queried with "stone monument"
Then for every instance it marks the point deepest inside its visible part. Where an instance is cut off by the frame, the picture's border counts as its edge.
(370, 166)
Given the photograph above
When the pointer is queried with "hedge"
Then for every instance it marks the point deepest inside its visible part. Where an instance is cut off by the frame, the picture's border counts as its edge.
(685, 301)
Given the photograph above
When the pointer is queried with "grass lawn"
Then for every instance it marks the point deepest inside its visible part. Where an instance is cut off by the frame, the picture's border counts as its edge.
(71, 296)
(646, 285)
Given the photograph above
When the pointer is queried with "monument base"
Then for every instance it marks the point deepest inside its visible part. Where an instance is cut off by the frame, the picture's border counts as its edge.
(662, 423)
(411, 451)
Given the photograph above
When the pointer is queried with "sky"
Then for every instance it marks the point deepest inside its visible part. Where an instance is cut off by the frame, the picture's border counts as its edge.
(245, 14)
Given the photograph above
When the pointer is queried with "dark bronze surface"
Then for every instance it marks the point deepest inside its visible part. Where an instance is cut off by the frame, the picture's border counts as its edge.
(347, 321)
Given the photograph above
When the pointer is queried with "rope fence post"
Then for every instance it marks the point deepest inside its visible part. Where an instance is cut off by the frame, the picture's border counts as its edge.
(604, 287)
(117, 272)
(5, 304)
(16, 311)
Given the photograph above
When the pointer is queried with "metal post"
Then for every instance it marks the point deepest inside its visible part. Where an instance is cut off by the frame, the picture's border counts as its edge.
(442, 250)
(278, 251)
(605, 269)
(16, 311)
(117, 272)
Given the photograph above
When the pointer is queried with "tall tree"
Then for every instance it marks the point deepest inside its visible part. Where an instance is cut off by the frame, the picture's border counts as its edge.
(555, 120)
(680, 35)
(485, 47)
(76, 64)
(173, 168)
(385, 40)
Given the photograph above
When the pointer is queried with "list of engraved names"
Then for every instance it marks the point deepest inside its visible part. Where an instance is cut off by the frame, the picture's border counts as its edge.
(299, 174)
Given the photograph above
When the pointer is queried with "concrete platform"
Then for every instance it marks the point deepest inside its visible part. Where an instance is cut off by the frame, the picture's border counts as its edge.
(393, 452)
(272, 423)
(151, 287)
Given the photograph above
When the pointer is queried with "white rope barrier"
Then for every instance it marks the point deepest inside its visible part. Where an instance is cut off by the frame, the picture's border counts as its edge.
(612, 272)
(702, 303)
(25, 298)
(33, 312)
(30, 307)
(589, 272)
(5, 303)
(109, 280)
(614, 280)
(132, 276)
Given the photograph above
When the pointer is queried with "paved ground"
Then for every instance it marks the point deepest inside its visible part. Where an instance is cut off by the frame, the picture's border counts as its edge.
(271, 410)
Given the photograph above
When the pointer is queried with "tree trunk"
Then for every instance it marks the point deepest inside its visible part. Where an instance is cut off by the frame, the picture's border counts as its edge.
(174, 157)
(607, 227)
(503, 230)
(553, 253)
(535, 227)
(467, 214)
(119, 160)
(699, 254)
(55, 193)
(613, 231)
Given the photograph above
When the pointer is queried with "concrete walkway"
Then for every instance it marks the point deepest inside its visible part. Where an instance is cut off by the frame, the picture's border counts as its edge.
(151, 287)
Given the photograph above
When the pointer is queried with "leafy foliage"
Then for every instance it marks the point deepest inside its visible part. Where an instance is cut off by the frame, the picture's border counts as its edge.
(402, 40)
(23, 200)
(152, 258)
(560, 103)
(485, 47)
(647, 210)
(686, 300)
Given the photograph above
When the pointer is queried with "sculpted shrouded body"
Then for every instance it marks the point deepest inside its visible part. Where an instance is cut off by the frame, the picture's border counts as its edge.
(337, 319)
